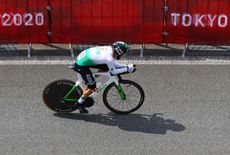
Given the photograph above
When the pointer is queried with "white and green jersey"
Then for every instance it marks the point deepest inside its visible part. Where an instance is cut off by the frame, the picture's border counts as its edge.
(98, 56)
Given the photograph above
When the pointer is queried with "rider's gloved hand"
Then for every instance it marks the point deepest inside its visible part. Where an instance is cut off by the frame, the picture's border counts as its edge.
(130, 68)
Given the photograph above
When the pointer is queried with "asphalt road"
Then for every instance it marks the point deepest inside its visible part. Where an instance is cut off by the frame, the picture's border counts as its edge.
(186, 112)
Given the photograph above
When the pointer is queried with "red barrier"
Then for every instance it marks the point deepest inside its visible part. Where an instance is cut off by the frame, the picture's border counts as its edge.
(104, 21)
(199, 21)
(23, 21)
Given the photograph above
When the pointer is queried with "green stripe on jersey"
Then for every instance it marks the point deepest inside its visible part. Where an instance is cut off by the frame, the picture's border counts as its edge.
(84, 58)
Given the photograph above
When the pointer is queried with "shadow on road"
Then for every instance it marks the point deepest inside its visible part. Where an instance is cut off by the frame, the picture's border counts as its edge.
(153, 124)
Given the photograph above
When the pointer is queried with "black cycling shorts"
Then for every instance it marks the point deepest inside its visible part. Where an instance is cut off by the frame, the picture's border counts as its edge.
(86, 75)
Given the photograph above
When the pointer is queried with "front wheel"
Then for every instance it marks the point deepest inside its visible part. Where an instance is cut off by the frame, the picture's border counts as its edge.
(134, 97)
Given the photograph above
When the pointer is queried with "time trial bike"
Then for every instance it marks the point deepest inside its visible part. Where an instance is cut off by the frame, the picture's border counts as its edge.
(120, 96)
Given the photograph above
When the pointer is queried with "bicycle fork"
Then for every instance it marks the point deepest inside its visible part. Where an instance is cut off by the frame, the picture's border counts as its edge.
(121, 92)
(119, 88)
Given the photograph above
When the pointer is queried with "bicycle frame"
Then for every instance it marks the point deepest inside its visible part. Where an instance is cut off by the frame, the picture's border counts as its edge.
(111, 79)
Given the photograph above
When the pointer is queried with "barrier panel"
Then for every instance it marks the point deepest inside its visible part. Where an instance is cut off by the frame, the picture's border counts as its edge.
(198, 21)
(104, 21)
(23, 21)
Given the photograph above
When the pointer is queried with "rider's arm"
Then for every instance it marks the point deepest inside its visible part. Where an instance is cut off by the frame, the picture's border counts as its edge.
(116, 68)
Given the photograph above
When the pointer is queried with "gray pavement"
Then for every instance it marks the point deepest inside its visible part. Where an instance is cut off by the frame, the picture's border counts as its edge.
(186, 112)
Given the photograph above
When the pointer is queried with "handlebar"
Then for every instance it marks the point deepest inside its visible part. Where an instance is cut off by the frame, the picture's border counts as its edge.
(119, 75)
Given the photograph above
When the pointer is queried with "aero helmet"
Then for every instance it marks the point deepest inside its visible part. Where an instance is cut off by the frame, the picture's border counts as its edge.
(121, 48)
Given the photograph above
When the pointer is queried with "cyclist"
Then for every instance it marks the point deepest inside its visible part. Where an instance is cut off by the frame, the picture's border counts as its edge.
(102, 58)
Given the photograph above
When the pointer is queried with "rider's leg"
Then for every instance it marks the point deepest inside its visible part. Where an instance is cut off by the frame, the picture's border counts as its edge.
(85, 74)
(86, 93)
(89, 80)
(91, 85)
(80, 105)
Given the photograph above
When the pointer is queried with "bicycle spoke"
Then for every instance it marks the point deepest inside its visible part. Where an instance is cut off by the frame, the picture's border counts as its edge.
(117, 106)
(124, 105)
(133, 93)
(131, 104)
(128, 106)
(130, 101)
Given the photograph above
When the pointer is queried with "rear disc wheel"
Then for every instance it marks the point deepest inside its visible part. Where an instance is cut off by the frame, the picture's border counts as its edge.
(53, 95)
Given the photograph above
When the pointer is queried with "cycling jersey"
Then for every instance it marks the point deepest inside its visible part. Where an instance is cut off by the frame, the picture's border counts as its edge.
(98, 56)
